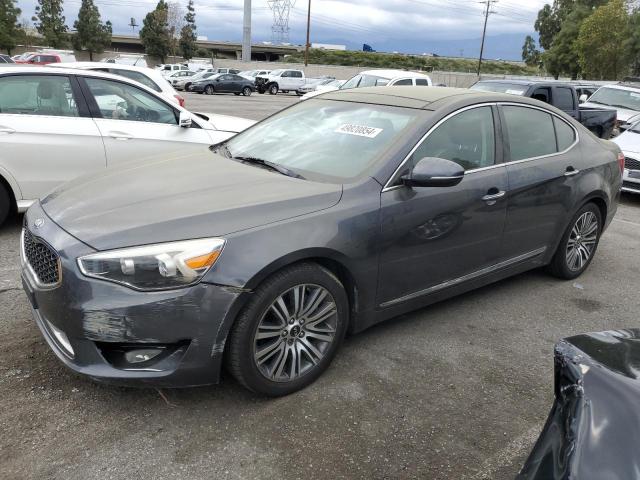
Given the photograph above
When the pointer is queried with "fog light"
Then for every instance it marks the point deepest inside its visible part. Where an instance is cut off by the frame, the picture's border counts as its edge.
(142, 355)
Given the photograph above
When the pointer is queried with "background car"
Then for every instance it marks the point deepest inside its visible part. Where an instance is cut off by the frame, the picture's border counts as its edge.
(57, 124)
(252, 74)
(181, 75)
(6, 59)
(625, 99)
(224, 83)
(629, 143)
(148, 77)
(184, 83)
(378, 78)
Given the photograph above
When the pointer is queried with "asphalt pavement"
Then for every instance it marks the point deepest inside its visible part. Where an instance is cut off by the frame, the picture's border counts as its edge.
(459, 390)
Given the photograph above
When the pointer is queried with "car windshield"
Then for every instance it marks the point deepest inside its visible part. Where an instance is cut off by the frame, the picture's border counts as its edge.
(615, 97)
(324, 140)
(500, 87)
(362, 80)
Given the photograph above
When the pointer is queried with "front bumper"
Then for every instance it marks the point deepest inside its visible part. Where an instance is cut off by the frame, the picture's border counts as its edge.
(631, 181)
(89, 324)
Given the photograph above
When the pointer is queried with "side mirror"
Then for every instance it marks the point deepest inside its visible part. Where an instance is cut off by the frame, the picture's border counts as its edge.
(185, 120)
(434, 172)
(583, 98)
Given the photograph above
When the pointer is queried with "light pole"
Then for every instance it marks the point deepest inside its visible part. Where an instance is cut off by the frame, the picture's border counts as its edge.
(306, 50)
(246, 32)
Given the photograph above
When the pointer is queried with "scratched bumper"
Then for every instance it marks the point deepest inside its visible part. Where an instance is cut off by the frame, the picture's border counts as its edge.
(96, 316)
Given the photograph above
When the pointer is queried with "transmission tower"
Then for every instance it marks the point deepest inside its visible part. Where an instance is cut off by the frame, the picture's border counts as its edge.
(281, 10)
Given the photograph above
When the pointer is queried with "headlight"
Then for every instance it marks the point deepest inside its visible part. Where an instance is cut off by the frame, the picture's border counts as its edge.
(155, 267)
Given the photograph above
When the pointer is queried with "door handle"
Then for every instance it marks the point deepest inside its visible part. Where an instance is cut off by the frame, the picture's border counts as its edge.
(120, 136)
(6, 130)
(491, 198)
(571, 172)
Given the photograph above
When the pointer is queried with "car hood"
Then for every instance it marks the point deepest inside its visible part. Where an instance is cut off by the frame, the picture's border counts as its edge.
(315, 93)
(593, 429)
(180, 197)
(623, 114)
(628, 141)
(227, 123)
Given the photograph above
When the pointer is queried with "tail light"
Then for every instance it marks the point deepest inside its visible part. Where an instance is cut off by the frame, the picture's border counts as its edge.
(180, 99)
(621, 162)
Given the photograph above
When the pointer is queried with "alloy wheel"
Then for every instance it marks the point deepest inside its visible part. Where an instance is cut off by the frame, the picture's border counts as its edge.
(208, 90)
(295, 332)
(582, 241)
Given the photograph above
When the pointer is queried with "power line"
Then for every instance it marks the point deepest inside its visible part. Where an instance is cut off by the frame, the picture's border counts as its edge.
(487, 12)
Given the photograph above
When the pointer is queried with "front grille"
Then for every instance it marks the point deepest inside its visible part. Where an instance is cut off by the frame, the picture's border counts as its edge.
(631, 185)
(631, 163)
(42, 259)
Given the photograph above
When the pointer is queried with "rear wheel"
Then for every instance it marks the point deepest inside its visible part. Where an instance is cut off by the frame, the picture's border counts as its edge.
(187, 87)
(579, 243)
(289, 332)
(273, 89)
(5, 204)
(246, 91)
(209, 90)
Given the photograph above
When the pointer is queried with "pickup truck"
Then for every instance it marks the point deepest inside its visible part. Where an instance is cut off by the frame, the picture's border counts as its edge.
(282, 80)
(563, 96)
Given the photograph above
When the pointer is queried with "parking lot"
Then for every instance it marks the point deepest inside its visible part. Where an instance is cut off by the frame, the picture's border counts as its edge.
(458, 390)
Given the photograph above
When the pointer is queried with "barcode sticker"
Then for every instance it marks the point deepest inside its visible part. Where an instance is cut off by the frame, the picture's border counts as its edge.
(359, 130)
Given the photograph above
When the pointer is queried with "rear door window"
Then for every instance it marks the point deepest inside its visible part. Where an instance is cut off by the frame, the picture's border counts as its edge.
(37, 95)
(563, 99)
(138, 77)
(531, 132)
(404, 81)
(422, 82)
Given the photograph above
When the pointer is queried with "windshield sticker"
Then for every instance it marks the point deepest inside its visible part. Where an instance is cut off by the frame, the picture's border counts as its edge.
(515, 92)
(359, 130)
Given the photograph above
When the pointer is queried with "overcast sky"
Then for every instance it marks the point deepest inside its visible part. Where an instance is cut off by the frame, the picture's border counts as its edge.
(412, 26)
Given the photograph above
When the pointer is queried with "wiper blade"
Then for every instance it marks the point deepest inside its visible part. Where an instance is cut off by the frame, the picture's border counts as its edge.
(270, 165)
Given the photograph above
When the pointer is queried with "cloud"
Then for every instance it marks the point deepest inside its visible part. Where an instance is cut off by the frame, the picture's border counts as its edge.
(404, 25)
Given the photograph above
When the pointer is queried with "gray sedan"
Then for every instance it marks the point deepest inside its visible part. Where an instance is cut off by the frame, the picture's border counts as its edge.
(323, 220)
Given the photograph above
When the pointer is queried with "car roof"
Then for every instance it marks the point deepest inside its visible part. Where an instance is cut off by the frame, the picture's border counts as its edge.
(121, 66)
(426, 98)
(391, 74)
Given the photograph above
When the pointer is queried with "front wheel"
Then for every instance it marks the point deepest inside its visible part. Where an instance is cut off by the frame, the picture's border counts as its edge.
(209, 90)
(187, 87)
(579, 243)
(246, 91)
(273, 90)
(5, 204)
(289, 332)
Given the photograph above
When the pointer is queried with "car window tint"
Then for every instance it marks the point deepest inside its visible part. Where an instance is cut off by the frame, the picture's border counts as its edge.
(296, 74)
(138, 77)
(422, 82)
(37, 95)
(405, 81)
(564, 133)
(531, 132)
(120, 101)
(563, 99)
(467, 138)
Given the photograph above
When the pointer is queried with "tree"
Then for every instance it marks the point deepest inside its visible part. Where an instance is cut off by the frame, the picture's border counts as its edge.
(602, 39)
(9, 26)
(155, 34)
(92, 35)
(633, 42)
(188, 33)
(50, 22)
(530, 54)
(175, 22)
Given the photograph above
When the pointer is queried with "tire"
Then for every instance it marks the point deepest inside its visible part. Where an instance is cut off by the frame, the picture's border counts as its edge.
(261, 92)
(289, 364)
(236, 94)
(298, 93)
(209, 90)
(578, 244)
(5, 204)
(273, 89)
(246, 91)
(187, 87)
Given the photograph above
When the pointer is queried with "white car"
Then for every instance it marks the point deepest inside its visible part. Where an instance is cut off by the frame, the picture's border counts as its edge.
(146, 76)
(252, 74)
(629, 143)
(174, 78)
(169, 68)
(378, 78)
(624, 98)
(59, 123)
(321, 84)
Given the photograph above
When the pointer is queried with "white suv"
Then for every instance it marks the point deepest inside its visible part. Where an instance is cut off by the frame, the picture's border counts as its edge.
(59, 123)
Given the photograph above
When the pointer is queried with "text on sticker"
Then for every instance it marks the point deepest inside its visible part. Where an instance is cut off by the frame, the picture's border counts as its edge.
(359, 130)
